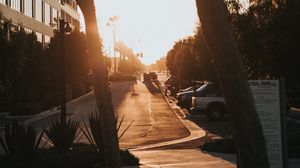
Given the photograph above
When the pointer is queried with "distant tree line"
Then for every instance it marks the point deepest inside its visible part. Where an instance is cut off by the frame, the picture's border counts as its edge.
(159, 65)
(268, 36)
(130, 65)
(189, 59)
(29, 75)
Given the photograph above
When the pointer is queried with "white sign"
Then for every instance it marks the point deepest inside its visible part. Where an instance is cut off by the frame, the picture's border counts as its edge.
(266, 95)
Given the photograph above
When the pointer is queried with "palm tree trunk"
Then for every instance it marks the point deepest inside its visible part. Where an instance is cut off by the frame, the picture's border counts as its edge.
(250, 142)
(102, 91)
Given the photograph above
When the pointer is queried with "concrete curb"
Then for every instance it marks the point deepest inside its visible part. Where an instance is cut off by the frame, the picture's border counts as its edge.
(195, 131)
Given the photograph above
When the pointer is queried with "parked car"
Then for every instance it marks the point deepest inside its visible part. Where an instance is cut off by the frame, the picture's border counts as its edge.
(150, 76)
(184, 99)
(210, 100)
(191, 88)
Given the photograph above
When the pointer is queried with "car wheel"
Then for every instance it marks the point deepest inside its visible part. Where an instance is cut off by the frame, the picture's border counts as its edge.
(215, 113)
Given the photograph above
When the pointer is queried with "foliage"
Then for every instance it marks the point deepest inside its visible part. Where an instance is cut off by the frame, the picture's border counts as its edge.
(226, 145)
(77, 63)
(267, 33)
(21, 62)
(81, 155)
(63, 135)
(160, 65)
(189, 59)
(20, 139)
(268, 36)
(29, 79)
(94, 132)
(130, 66)
(125, 66)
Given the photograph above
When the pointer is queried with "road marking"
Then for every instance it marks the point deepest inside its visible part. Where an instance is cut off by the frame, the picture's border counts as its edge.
(150, 112)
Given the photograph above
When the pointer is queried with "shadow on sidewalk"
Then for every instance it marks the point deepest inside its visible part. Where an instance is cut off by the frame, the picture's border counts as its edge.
(228, 157)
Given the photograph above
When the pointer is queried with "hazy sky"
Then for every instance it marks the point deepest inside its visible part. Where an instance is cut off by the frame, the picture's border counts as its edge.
(149, 26)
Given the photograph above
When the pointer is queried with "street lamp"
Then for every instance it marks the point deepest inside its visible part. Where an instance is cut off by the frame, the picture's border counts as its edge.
(64, 28)
(112, 22)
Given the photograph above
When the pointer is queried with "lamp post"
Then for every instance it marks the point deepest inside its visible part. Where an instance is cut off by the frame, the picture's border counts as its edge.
(112, 22)
(64, 28)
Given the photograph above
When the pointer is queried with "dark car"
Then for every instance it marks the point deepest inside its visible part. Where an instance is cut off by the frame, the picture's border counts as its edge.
(184, 99)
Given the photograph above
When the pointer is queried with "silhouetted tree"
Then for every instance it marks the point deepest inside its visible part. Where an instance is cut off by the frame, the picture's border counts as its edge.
(226, 57)
(102, 91)
(268, 36)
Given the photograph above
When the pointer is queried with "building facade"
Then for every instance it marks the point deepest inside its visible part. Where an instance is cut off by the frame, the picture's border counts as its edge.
(40, 16)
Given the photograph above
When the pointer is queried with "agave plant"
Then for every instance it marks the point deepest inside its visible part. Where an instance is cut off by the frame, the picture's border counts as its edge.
(63, 134)
(20, 139)
(94, 131)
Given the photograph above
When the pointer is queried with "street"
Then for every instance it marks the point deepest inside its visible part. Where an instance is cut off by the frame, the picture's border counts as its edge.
(153, 119)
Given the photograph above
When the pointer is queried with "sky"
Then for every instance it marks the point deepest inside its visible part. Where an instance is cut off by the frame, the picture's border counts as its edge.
(148, 26)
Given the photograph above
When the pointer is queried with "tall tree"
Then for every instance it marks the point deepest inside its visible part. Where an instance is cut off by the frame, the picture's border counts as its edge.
(251, 147)
(102, 91)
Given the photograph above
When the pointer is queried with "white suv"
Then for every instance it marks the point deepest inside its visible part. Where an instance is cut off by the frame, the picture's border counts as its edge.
(211, 101)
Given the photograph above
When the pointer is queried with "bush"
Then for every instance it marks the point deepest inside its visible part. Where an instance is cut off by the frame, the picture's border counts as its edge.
(94, 132)
(81, 155)
(226, 145)
(20, 143)
(63, 135)
(293, 129)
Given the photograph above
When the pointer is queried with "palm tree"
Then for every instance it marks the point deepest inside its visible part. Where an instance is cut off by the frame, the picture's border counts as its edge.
(102, 91)
(251, 147)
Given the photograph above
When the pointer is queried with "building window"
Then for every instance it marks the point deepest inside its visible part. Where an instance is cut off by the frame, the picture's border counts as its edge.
(39, 37)
(28, 8)
(28, 31)
(47, 14)
(68, 18)
(63, 14)
(47, 40)
(7, 2)
(38, 10)
(16, 5)
(54, 18)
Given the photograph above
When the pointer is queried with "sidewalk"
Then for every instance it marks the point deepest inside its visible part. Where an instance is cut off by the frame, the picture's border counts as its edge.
(153, 156)
(187, 158)
(184, 158)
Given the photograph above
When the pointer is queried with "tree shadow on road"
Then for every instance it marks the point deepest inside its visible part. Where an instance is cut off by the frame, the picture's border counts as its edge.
(153, 89)
(119, 92)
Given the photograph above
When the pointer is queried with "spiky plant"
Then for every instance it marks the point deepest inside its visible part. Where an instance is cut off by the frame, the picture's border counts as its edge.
(94, 132)
(20, 139)
(63, 134)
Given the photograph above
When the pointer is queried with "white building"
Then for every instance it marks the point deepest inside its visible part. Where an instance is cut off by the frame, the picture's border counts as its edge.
(40, 16)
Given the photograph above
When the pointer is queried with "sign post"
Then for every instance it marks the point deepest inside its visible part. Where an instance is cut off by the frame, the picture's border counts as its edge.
(270, 105)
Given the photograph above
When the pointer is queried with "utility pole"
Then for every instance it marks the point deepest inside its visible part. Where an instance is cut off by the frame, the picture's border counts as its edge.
(63, 28)
(112, 22)
(114, 41)
(63, 109)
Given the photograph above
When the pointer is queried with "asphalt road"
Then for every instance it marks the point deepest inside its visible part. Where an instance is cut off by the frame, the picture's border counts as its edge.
(140, 103)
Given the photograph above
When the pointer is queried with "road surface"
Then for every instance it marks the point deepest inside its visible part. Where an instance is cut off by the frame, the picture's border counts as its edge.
(153, 119)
